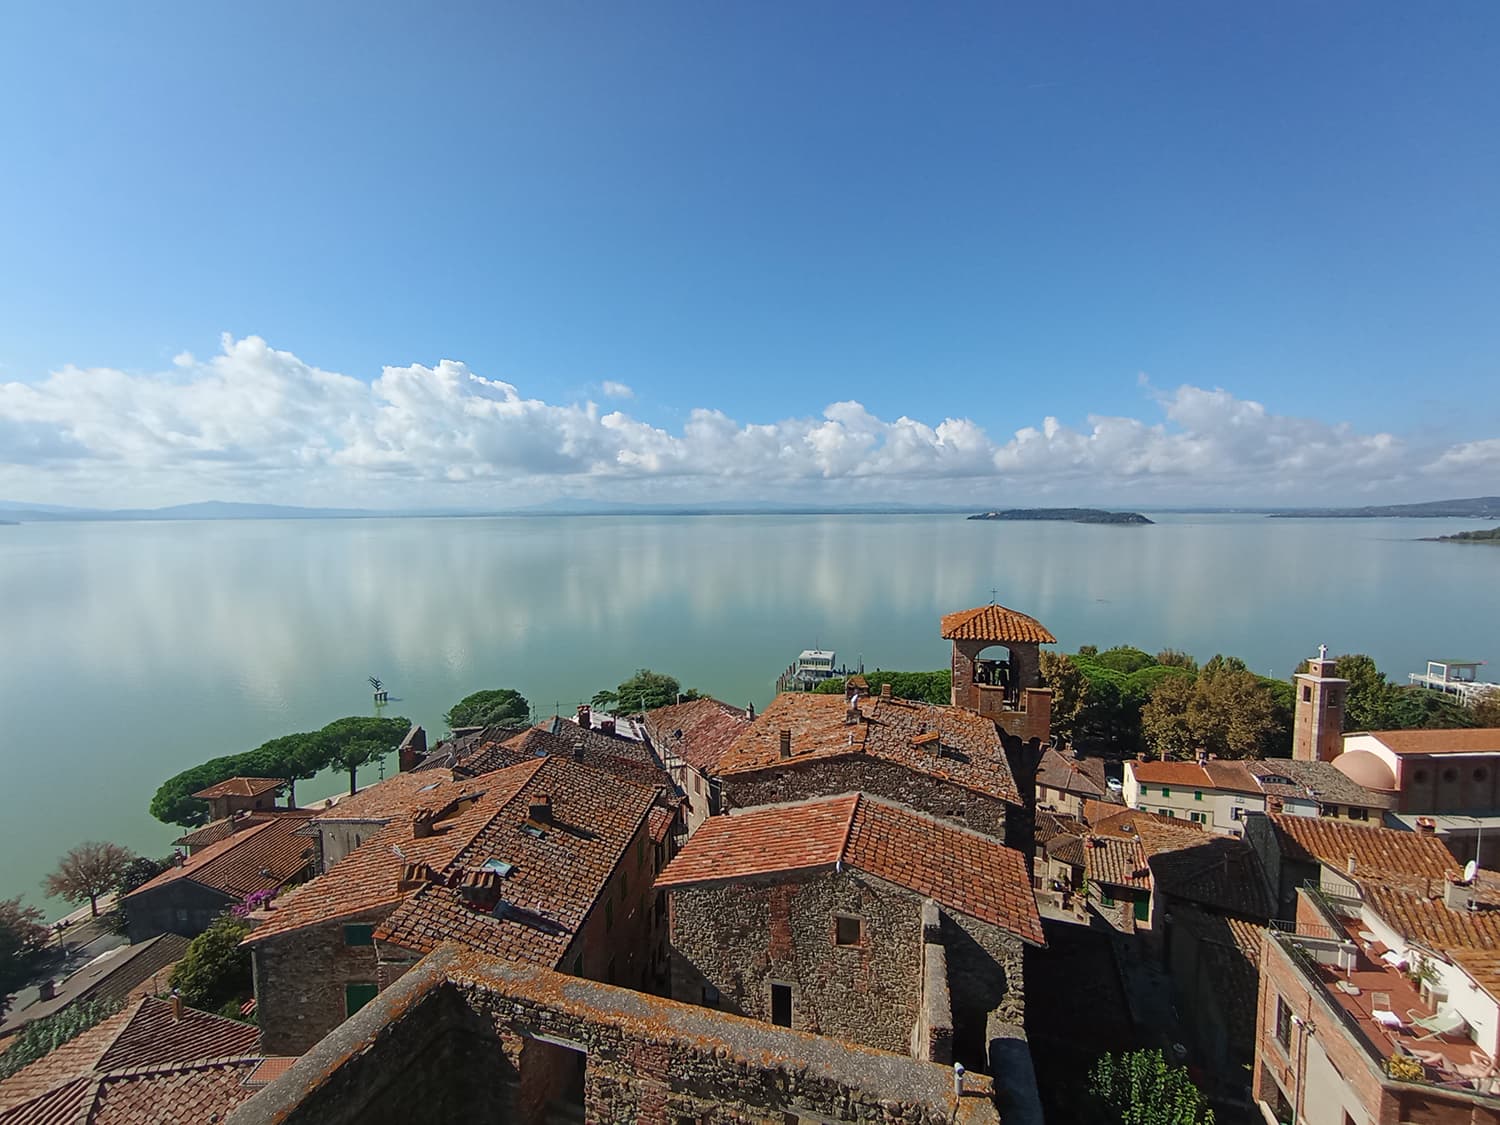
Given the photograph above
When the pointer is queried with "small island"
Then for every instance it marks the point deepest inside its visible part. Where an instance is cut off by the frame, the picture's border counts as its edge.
(1490, 536)
(1070, 515)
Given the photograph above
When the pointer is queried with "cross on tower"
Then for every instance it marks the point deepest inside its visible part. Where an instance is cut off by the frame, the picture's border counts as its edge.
(994, 595)
(1322, 652)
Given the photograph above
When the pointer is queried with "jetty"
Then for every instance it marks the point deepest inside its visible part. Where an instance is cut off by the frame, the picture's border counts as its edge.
(1459, 678)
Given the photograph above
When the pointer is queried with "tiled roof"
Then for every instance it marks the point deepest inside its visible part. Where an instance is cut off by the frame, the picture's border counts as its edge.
(560, 869)
(995, 623)
(1233, 776)
(1050, 824)
(1067, 849)
(497, 748)
(1189, 775)
(1229, 956)
(1058, 771)
(1124, 821)
(1219, 872)
(1325, 781)
(967, 751)
(241, 787)
(261, 858)
(1483, 740)
(960, 869)
(662, 820)
(1428, 921)
(112, 976)
(699, 732)
(114, 1058)
(369, 876)
(396, 796)
(1483, 967)
(1116, 861)
(1380, 854)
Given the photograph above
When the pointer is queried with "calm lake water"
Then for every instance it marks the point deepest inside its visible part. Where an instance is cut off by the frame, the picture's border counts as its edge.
(129, 651)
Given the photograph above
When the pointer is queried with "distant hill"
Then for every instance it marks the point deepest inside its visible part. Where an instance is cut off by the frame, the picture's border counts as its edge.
(1475, 508)
(1490, 536)
(1069, 515)
(207, 510)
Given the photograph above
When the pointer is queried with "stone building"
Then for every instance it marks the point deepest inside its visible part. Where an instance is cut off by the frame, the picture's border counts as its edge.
(855, 918)
(241, 794)
(464, 1038)
(1004, 686)
(948, 762)
(185, 898)
(548, 861)
(1064, 782)
(691, 739)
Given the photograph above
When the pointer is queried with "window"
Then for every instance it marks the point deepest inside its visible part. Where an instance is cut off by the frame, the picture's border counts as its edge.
(356, 996)
(1358, 813)
(359, 935)
(1333, 700)
(1283, 1023)
(1105, 897)
(710, 996)
(1328, 810)
(1145, 790)
(1143, 909)
(1306, 694)
(1197, 817)
(1197, 794)
(1165, 792)
(1236, 813)
(1166, 812)
(781, 1005)
(846, 930)
(1419, 776)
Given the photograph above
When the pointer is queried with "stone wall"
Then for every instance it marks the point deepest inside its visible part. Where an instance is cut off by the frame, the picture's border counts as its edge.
(984, 980)
(742, 937)
(300, 978)
(178, 907)
(828, 777)
(932, 1038)
(453, 1039)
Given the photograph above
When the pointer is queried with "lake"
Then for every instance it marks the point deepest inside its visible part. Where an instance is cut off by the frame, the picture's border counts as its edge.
(129, 651)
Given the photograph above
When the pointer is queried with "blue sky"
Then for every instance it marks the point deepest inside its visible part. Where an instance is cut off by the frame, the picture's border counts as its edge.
(988, 215)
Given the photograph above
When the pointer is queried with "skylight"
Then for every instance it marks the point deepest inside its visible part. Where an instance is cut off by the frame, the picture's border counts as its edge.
(426, 788)
(498, 866)
(533, 831)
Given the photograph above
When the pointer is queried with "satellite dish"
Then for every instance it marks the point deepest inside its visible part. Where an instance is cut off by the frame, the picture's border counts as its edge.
(1470, 870)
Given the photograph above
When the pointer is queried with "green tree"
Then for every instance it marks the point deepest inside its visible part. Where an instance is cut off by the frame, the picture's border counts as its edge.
(358, 740)
(88, 871)
(295, 757)
(1419, 708)
(23, 946)
(41, 1037)
(1124, 658)
(647, 690)
(1140, 1088)
(488, 708)
(1176, 658)
(925, 687)
(1069, 691)
(215, 969)
(1166, 719)
(834, 685)
(1225, 710)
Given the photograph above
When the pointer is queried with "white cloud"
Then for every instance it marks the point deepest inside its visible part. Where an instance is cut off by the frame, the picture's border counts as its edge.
(612, 389)
(254, 422)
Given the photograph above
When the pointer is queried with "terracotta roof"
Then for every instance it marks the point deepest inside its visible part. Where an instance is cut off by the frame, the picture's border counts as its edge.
(1219, 872)
(241, 787)
(662, 820)
(1067, 849)
(1125, 821)
(1482, 965)
(1322, 780)
(113, 976)
(1428, 921)
(138, 1059)
(995, 623)
(560, 868)
(261, 858)
(630, 758)
(224, 827)
(960, 869)
(368, 877)
(396, 796)
(1380, 854)
(1482, 740)
(967, 751)
(1116, 861)
(1050, 824)
(700, 732)
(1058, 771)
(1233, 776)
(1189, 775)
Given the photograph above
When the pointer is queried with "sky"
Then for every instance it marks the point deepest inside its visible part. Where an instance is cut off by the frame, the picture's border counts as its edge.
(466, 255)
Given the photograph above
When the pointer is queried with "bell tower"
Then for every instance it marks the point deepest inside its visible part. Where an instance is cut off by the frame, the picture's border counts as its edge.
(1318, 711)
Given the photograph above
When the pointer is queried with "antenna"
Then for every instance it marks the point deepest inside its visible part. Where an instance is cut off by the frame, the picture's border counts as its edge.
(1470, 870)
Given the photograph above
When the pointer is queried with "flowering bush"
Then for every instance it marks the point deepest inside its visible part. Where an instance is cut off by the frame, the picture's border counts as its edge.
(253, 902)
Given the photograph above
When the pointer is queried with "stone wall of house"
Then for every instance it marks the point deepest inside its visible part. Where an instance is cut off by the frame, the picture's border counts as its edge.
(741, 938)
(300, 977)
(453, 1040)
(825, 777)
(985, 981)
(932, 1038)
(178, 907)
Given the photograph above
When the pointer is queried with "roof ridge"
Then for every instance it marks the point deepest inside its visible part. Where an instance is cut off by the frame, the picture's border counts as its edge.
(849, 828)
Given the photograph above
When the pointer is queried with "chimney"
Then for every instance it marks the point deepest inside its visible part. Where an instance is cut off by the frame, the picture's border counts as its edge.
(578, 749)
(541, 808)
(1426, 826)
(1458, 895)
(885, 691)
(1349, 864)
(585, 716)
(414, 875)
(750, 711)
(607, 726)
(176, 1005)
(786, 744)
(412, 749)
(47, 989)
(851, 713)
(422, 822)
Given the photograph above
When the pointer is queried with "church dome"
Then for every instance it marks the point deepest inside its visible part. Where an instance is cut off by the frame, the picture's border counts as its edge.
(1366, 769)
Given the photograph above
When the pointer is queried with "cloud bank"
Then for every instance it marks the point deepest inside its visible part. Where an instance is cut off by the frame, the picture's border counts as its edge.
(257, 423)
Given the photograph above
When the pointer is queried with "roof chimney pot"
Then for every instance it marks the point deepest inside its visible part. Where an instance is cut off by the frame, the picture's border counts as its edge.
(541, 808)
(585, 716)
(786, 744)
(885, 691)
(1349, 864)
(176, 1005)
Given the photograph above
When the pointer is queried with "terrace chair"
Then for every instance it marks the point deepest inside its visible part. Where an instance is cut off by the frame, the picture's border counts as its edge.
(1444, 1023)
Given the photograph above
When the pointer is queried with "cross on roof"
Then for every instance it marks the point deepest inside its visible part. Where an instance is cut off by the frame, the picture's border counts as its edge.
(1322, 652)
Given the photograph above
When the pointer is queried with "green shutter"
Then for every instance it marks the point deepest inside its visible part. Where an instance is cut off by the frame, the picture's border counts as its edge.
(1143, 909)
(356, 996)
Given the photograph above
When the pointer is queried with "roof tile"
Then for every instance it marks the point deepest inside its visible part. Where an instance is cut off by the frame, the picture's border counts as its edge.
(995, 623)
